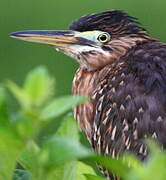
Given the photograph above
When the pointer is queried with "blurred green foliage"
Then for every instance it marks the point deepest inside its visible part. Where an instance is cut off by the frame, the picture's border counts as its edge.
(19, 132)
(61, 156)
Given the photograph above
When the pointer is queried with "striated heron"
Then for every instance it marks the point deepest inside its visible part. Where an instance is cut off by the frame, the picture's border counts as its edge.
(123, 71)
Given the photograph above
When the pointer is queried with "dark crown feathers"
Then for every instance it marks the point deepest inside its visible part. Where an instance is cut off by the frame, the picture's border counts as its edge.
(114, 22)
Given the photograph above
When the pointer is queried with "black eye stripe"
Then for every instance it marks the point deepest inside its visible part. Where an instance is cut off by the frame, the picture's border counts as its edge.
(106, 48)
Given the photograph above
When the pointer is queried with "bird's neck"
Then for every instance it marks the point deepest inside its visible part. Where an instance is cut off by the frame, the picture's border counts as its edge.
(86, 83)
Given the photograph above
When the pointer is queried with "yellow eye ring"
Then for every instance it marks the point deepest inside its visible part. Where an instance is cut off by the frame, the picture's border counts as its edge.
(104, 37)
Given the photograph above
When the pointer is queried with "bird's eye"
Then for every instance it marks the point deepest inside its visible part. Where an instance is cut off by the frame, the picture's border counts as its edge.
(103, 38)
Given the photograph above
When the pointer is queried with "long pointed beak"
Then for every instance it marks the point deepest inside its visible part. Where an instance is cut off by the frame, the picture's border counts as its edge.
(54, 38)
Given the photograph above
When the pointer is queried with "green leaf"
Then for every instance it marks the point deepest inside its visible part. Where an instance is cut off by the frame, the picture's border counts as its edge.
(19, 94)
(10, 148)
(68, 128)
(83, 168)
(93, 177)
(61, 150)
(20, 174)
(113, 165)
(39, 86)
(61, 105)
(60, 127)
(131, 160)
(72, 170)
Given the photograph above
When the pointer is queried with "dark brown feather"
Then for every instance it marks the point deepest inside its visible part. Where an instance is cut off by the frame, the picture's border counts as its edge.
(116, 22)
(127, 101)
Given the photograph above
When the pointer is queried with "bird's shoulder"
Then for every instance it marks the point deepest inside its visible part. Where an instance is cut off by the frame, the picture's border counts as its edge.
(148, 62)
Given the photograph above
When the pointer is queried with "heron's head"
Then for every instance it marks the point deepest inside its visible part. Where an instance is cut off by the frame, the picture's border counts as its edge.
(93, 40)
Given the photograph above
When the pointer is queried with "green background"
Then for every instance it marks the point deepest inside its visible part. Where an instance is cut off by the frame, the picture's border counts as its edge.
(18, 57)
